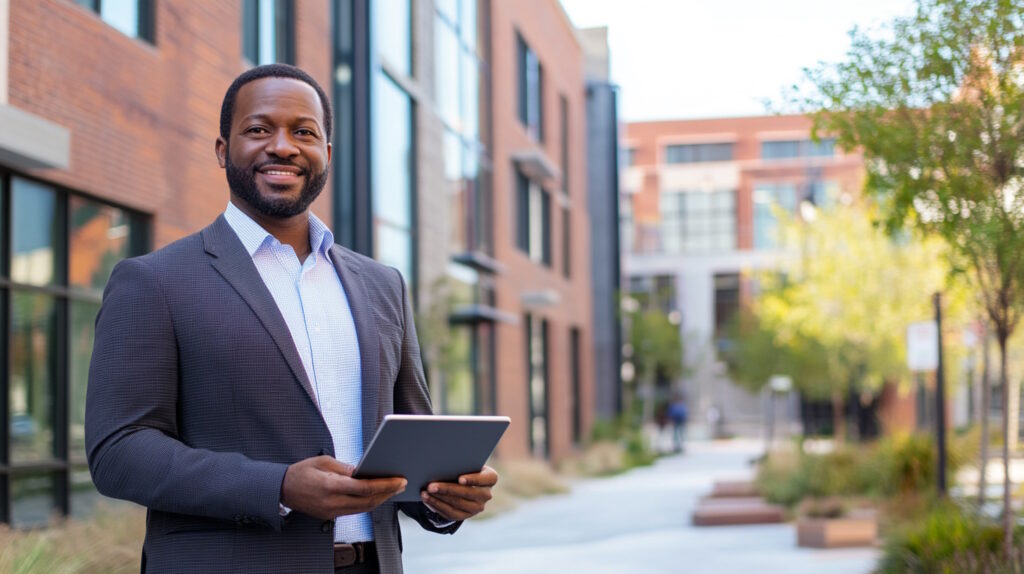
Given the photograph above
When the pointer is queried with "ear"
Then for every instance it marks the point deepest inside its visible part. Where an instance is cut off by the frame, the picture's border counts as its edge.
(330, 148)
(221, 149)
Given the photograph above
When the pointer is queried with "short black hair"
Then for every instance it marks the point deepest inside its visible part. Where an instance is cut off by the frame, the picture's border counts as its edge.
(227, 108)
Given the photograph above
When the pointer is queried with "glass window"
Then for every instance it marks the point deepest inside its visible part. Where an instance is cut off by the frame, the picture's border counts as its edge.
(698, 153)
(769, 199)
(536, 367)
(467, 23)
(563, 130)
(268, 34)
(131, 17)
(448, 8)
(483, 237)
(698, 222)
(458, 202)
(530, 89)
(34, 208)
(446, 81)
(458, 389)
(393, 155)
(545, 227)
(790, 149)
(81, 324)
(566, 243)
(33, 353)
(100, 237)
(522, 212)
(393, 23)
(33, 500)
(470, 96)
(576, 408)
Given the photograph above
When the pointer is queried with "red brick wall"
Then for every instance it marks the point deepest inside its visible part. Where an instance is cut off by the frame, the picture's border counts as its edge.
(143, 117)
(547, 31)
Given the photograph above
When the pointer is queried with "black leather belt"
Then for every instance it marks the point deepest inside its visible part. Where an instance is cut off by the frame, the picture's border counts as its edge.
(356, 553)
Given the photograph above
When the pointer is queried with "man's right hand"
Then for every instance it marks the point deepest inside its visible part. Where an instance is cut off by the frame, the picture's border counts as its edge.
(323, 487)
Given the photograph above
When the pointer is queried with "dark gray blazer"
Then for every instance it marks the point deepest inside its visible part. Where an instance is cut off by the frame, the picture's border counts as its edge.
(198, 402)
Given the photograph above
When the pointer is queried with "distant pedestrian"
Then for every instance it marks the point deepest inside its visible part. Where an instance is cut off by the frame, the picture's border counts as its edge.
(678, 414)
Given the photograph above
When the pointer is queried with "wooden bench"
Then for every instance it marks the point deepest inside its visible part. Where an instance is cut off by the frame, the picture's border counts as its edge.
(733, 488)
(737, 511)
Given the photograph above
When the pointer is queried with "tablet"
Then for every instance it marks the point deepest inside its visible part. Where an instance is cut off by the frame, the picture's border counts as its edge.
(429, 448)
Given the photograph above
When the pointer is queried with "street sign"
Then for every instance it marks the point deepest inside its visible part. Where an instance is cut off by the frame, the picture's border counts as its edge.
(923, 346)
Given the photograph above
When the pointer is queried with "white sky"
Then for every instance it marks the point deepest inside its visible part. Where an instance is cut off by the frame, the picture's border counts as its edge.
(716, 58)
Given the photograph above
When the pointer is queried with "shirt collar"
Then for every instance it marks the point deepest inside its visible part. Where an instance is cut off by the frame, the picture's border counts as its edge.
(253, 236)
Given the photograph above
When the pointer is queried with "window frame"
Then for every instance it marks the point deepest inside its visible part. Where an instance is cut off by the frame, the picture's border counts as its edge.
(63, 462)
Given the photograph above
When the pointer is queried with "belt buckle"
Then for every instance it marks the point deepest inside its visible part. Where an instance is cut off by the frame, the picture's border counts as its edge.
(345, 555)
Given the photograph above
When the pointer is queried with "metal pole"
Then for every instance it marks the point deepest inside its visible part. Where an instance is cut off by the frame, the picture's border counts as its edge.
(940, 399)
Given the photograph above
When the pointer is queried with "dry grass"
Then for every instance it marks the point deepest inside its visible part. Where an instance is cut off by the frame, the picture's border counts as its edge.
(109, 543)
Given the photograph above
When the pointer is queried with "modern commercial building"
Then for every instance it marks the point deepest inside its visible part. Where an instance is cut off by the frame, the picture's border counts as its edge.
(700, 207)
(459, 159)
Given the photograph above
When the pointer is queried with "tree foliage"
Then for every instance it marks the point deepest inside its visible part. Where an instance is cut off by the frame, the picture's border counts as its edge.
(936, 105)
(835, 319)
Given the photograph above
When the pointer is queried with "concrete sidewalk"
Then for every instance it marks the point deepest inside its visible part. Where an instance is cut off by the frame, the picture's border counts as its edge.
(635, 522)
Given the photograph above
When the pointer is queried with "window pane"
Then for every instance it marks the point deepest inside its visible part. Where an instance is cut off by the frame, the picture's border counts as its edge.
(121, 14)
(449, 8)
(458, 389)
(446, 69)
(393, 247)
(99, 239)
(32, 500)
(392, 157)
(32, 360)
(393, 24)
(458, 204)
(83, 318)
(467, 23)
(470, 96)
(267, 32)
(34, 226)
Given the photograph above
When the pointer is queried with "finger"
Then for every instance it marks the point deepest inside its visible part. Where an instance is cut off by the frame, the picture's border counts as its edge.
(450, 490)
(445, 509)
(368, 487)
(486, 477)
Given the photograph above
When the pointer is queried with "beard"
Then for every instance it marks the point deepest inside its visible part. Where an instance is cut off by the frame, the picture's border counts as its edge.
(242, 183)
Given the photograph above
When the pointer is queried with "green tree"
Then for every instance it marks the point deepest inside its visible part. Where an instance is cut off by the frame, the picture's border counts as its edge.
(835, 319)
(657, 352)
(936, 105)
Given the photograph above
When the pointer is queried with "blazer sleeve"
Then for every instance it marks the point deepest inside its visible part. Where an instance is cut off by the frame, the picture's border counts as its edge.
(412, 397)
(131, 430)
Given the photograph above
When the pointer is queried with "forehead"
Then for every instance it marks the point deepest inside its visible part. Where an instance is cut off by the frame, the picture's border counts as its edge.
(284, 97)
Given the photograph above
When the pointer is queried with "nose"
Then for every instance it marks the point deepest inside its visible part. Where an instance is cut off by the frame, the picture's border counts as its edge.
(281, 144)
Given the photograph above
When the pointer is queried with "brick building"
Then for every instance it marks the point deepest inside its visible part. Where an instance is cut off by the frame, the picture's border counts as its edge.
(700, 201)
(459, 158)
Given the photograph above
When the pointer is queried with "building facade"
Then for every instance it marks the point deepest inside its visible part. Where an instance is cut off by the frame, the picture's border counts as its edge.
(108, 115)
(701, 203)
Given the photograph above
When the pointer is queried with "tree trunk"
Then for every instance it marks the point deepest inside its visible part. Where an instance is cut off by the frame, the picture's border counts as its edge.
(838, 417)
(1007, 508)
(986, 394)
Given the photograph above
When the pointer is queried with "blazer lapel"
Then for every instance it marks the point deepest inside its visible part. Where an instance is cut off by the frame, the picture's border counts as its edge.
(233, 262)
(366, 334)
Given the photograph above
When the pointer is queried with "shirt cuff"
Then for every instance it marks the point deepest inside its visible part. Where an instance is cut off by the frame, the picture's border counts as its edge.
(436, 519)
(283, 510)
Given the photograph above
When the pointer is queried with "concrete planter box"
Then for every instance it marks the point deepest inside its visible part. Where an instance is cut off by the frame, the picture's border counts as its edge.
(836, 532)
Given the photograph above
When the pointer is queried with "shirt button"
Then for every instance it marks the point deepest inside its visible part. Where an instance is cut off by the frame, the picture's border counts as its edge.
(327, 526)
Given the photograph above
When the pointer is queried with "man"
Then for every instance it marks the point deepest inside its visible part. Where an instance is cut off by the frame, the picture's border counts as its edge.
(238, 374)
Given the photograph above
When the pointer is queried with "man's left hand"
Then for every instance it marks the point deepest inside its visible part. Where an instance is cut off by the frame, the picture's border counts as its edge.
(464, 499)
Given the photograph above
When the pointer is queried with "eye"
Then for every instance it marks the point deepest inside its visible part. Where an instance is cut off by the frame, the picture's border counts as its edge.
(306, 132)
(257, 130)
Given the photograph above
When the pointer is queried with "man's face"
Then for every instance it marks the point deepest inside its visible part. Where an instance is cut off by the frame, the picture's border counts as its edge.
(277, 153)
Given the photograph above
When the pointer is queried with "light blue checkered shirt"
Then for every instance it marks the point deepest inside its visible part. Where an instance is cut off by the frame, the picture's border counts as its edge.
(313, 303)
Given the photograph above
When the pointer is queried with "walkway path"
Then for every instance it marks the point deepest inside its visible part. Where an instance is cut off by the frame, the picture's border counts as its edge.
(636, 522)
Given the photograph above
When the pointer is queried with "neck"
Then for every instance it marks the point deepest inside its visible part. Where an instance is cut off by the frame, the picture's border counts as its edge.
(292, 230)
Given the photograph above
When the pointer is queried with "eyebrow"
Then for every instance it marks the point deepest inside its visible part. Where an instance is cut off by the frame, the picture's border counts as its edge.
(267, 118)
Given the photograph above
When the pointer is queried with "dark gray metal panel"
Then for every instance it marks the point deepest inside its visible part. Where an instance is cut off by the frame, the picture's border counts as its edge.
(602, 206)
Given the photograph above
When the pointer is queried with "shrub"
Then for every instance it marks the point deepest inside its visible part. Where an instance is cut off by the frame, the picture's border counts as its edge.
(950, 540)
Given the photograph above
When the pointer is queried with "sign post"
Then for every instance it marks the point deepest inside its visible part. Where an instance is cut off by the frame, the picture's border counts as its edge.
(924, 353)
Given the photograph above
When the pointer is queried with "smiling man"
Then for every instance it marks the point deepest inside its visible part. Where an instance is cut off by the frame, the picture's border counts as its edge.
(238, 373)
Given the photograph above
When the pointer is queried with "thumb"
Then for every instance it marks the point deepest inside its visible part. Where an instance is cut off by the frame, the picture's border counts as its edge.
(334, 465)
